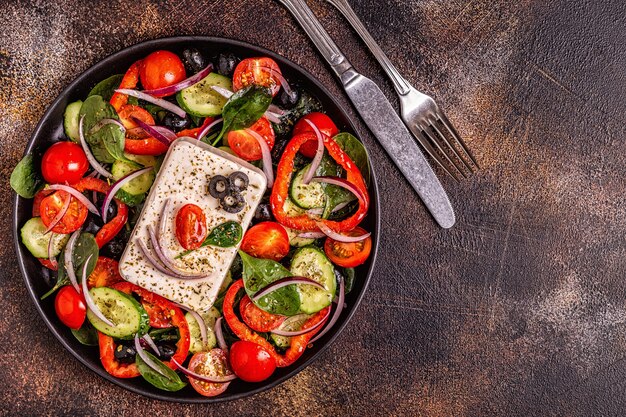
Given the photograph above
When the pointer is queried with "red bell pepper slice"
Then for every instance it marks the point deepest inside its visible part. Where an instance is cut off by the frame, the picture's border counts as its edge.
(285, 169)
(243, 332)
(194, 132)
(145, 146)
(113, 227)
(130, 80)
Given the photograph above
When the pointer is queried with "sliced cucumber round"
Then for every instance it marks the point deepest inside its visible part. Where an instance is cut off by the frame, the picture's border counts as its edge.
(195, 337)
(311, 262)
(36, 241)
(309, 195)
(297, 241)
(129, 317)
(201, 100)
(71, 119)
(137, 186)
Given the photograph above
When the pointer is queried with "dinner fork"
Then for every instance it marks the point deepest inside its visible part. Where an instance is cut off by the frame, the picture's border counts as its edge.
(426, 121)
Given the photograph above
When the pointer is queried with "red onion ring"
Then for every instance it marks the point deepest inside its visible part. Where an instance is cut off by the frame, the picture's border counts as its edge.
(160, 133)
(283, 282)
(162, 220)
(343, 183)
(186, 83)
(158, 101)
(92, 160)
(76, 194)
(90, 303)
(276, 110)
(219, 335)
(155, 262)
(267, 157)
(148, 360)
(116, 187)
(281, 79)
(312, 235)
(68, 259)
(207, 129)
(336, 314)
(272, 117)
(224, 92)
(203, 378)
(51, 257)
(319, 153)
(158, 249)
(338, 236)
(299, 332)
(105, 122)
(59, 215)
(146, 337)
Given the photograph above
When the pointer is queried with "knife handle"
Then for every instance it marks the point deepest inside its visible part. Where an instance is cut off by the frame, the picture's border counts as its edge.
(322, 40)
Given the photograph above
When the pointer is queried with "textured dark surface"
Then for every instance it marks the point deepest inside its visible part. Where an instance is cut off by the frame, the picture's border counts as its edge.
(518, 310)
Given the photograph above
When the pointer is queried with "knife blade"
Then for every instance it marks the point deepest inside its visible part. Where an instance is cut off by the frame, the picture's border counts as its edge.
(380, 117)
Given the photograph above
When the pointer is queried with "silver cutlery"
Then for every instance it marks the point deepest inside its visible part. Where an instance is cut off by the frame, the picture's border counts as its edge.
(380, 117)
(420, 113)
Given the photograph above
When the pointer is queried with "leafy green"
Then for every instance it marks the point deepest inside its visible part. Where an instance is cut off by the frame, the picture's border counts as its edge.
(335, 195)
(223, 235)
(86, 335)
(106, 143)
(258, 274)
(244, 108)
(106, 87)
(170, 382)
(25, 178)
(85, 246)
(356, 151)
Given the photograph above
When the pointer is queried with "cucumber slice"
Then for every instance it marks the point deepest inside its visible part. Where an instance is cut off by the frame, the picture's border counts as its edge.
(138, 186)
(284, 342)
(291, 209)
(124, 311)
(311, 262)
(36, 241)
(195, 338)
(71, 119)
(201, 100)
(297, 241)
(145, 160)
(309, 195)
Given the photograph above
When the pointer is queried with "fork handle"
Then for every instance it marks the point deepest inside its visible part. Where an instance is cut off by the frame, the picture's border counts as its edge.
(322, 40)
(401, 85)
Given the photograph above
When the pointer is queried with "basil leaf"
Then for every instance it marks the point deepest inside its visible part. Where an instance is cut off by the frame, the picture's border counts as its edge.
(170, 382)
(224, 235)
(107, 143)
(259, 273)
(86, 335)
(107, 87)
(356, 151)
(25, 178)
(244, 108)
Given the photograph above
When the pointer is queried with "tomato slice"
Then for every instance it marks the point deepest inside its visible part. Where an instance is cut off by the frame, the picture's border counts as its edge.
(41, 194)
(349, 255)
(246, 146)
(70, 307)
(71, 221)
(105, 274)
(325, 125)
(255, 71)
(160, 317)
(268, 240)
(191, 227)
(212, 363)
(129, 111)
(258, 319)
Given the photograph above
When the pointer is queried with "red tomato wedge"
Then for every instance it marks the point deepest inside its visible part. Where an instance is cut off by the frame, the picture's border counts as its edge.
(268, 240)
(73, 218)
(246, 146)
(191, 229)
(212, 363)
(257, 319)
(349, 255)
(259, 71)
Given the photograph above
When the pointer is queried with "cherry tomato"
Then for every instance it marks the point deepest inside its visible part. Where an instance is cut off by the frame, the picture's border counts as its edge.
(251, 362)
(246, 146)
(268, 240)
(322, 122)
(159, 315)
(257, 71)
(64, 162)
(105, 274)
(70, 307)
(212, 363)
(349, 255)
(161, 69)
(74, 217)
(191, 227)
(257, 319)
(128, 112)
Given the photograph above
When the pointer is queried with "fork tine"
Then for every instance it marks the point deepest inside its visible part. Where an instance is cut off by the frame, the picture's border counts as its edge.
(457, 138)
(432, 139)
(424, 142)
(455, 153)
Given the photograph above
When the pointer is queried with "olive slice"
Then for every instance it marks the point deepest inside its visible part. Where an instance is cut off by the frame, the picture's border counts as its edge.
(238, 181)
(233, 203)
(219, 186)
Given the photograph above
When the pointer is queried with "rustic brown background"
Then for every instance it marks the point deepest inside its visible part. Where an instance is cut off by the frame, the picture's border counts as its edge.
(518, 310)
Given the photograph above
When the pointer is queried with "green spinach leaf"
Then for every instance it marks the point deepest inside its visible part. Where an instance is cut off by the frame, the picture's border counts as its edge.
(223, 235)
(356, 151)
(86, 335)
(107, 143)
(335, 195)
(25, 178)
(259, 273)
(107, 87)
(244, 108)
(170, 382)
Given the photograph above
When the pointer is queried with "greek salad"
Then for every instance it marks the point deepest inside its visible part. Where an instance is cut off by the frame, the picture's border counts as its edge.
(202, 219)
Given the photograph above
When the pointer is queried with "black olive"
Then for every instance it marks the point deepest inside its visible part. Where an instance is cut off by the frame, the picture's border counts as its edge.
(263, 213)
(194, 61)
(125, 353)
(288, 100)
(218, 186)
(279, 147)
(233, 203)
(226, 64)
(238, 181)
(166, 352)
(176, 123)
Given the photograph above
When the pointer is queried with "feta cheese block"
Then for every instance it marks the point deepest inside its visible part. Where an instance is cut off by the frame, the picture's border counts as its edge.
(184, 178)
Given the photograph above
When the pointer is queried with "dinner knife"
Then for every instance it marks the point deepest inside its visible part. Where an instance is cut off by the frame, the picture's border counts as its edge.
(380, 116)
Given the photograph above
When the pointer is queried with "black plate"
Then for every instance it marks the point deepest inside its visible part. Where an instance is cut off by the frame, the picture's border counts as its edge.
(50, 129)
